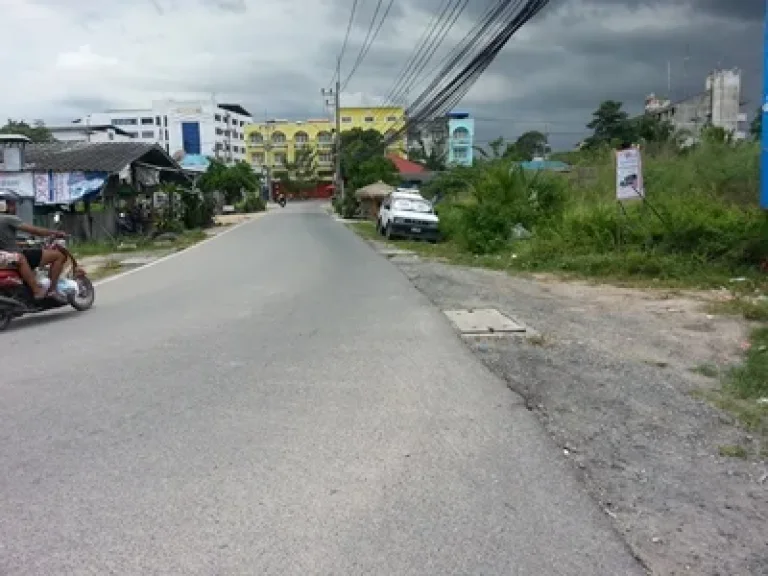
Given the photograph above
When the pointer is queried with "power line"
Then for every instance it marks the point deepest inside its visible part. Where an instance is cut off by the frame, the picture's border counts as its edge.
(366, 44)
(346, 38)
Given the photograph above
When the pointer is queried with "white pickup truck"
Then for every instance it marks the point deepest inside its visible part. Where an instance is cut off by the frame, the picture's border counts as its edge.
(408, 215)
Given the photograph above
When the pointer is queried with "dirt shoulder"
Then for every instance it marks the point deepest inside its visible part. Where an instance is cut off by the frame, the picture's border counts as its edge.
(613, 375)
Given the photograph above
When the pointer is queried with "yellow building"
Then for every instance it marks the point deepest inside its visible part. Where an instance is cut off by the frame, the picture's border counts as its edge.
(386, 120)
(273, 144)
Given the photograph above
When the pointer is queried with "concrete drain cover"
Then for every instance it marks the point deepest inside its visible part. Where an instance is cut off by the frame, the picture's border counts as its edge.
(393, 252)
(483, 322)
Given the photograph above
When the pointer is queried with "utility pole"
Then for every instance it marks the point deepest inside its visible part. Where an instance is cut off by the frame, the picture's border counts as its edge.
(764, 112)
(336, 94)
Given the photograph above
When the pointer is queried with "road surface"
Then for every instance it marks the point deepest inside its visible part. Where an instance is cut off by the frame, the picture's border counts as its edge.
(279, 400)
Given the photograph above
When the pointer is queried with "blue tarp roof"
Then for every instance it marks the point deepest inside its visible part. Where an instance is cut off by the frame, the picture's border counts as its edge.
(196, 162)
(554, 165)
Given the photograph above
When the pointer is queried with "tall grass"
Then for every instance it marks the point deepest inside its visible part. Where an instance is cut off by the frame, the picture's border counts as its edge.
(700, 219)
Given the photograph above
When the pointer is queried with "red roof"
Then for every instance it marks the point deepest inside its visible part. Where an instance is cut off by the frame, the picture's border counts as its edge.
(406, 166)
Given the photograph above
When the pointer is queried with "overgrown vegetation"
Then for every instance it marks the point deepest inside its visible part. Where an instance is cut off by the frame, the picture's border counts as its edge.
(700, 224)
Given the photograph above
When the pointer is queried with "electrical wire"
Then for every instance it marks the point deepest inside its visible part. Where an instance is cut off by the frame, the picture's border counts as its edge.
(346, 40)
(366, 43)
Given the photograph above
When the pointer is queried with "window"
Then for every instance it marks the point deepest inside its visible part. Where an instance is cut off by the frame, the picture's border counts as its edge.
(167, 147)
(124, 122)
(325, 138)
(258, 158)
(148, 133)
(279, 159)
(325, 158)
(165, 122)
(346, 119)
(460, 153)
(218, 117)
(157, 121)
(301, 138)
(147, 121)
(219, 131)
(278, 138)
(369, 119)
(391, 118)
(257, 138)
(166, 136)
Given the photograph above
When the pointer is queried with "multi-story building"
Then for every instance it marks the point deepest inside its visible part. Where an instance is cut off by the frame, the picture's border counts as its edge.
(451, 136)
(719, 105)
(388, 120)
(461, 136)
(273, 144)
(79, 132)
(195, 127)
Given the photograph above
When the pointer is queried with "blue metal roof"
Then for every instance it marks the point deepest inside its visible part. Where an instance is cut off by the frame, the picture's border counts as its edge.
(553, 165)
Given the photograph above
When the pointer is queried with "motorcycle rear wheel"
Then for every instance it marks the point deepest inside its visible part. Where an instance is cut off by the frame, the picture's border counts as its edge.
(85, 296)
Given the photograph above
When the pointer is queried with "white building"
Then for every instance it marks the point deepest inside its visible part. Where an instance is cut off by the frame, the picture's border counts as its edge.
(79, 132)
(195, 127)
(719, 105)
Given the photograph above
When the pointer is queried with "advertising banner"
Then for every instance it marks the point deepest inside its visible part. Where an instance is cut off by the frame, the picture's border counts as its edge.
(67, 187)
(629, 175)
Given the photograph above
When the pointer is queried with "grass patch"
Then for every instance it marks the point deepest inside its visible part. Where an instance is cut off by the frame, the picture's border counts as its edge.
(750, 309)
(732, 451)
(706, 370)
(745, 390)
(109, 268)
(142, 244)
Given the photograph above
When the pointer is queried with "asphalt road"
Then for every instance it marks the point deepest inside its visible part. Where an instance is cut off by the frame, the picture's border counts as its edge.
(279, 400)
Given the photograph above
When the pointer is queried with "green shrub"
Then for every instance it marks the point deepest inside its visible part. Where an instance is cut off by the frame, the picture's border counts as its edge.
(252, 203)
(701, 214)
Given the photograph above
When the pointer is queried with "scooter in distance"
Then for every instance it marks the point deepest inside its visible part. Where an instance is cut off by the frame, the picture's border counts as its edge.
(74, 287)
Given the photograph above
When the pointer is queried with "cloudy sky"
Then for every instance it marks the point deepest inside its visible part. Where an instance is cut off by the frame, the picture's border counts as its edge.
(273, 56)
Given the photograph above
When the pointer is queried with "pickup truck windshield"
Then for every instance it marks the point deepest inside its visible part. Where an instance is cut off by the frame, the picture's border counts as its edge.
(413, 206)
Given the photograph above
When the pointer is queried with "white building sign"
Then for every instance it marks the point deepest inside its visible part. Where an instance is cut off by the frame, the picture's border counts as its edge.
(20, 183)
(629, 175)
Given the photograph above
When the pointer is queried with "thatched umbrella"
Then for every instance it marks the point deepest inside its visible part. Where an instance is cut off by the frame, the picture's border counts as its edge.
(372, 196)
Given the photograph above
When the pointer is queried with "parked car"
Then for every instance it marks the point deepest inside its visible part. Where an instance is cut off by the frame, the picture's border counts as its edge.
(407, 214)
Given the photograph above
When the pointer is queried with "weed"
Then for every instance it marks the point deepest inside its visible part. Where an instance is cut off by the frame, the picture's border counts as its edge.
(706, 370)
(732, 451)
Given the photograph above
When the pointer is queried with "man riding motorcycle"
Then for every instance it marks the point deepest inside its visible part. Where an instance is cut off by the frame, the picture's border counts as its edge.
(27, 260)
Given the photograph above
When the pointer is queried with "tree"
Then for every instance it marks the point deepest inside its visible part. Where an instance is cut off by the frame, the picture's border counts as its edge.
(610, 125)
(650, 128)
(530, 144)
(756, 126)
(378, 168)
(37, 132)
(233, 181)
(300, 174)
(434, 160)
(497, 149)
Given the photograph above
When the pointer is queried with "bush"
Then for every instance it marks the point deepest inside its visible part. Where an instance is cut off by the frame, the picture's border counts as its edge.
(701, 214)
(252, 203)
(500, 198)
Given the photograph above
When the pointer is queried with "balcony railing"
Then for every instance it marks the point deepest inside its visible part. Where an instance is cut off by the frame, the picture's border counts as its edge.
(459, 141)
(279, 144)
(255, 143)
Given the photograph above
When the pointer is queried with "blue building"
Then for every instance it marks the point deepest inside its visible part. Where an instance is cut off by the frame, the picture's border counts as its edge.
(461, 136)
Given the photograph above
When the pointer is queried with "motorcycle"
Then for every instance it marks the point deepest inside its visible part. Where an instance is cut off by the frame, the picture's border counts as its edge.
(281, 200)
(74, 289)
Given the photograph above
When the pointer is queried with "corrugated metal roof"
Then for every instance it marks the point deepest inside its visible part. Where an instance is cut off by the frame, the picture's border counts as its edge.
(94, 157)
(405, 166)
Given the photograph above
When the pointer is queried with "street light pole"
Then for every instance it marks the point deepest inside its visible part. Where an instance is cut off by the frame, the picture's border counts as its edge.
(336, 93)
(764, 113)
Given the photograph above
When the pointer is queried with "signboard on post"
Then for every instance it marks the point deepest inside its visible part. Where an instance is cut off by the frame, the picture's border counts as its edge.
(629, 175)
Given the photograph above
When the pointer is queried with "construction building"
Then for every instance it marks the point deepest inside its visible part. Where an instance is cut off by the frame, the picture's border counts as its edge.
(718, 105)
